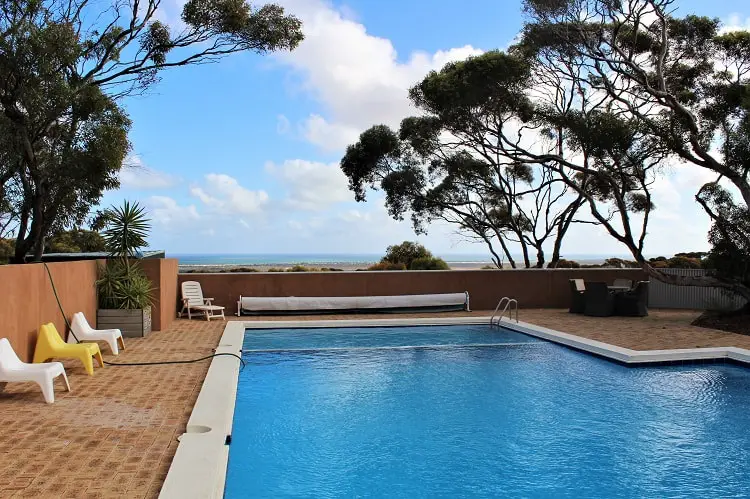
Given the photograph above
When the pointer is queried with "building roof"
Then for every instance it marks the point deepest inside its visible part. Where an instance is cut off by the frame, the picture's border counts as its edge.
(97, 255)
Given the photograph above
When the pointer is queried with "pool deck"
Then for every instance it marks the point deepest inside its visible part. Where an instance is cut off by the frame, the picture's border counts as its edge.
(116, 433)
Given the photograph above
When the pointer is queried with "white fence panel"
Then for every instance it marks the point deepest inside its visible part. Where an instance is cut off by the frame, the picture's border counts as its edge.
(663, 295)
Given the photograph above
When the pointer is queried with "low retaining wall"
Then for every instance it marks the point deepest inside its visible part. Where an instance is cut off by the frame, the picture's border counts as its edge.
(27, 301)
(533, 288)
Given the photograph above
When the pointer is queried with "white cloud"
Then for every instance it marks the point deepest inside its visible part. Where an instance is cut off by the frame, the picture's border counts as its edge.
(357, 76)
(311, 185)
(328, 136)
(136, 175)
(736, 22)
(224, 195)
(165, 211)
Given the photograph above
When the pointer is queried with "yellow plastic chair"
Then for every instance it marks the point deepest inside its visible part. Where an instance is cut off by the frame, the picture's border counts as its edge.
(49, 345)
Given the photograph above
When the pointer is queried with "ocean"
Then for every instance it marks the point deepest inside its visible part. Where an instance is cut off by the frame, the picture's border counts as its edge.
(282, 259)
(334, 259)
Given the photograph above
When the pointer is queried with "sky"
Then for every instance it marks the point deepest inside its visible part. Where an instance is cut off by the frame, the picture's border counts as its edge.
(242, 156)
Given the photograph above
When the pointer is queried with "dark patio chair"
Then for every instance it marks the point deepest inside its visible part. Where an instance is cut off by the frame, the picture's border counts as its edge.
(633, 303)
(600, 302)
(577, 303)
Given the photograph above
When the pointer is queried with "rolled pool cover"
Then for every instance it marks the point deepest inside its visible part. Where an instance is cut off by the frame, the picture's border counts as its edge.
(321, 304)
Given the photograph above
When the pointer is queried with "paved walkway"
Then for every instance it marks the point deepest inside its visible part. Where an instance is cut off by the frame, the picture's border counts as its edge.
(116, 433)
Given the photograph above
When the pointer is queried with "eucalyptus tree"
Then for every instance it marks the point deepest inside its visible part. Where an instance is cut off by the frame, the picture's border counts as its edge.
(66, 64)
(683, 83)
(447, 163)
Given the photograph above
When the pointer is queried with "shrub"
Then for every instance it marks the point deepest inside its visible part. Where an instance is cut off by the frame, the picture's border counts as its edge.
(387, 266)
(300, 268)
(562, 263)
(489, 267)
(122, 283)
(684, 262)
(6, 249)
(429, 263)
(275, 269)
(619, 263)
(405, 253)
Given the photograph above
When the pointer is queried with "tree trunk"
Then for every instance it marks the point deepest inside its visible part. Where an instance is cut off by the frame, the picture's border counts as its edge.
(37, 232)
(539, 258)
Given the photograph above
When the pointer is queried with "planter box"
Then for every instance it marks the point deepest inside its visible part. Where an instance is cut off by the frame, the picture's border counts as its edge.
(132, 323)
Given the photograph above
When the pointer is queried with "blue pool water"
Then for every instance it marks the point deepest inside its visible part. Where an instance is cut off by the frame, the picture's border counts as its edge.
(514, 417)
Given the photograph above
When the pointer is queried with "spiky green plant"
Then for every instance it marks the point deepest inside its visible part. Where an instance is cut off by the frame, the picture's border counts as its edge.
(122, 283)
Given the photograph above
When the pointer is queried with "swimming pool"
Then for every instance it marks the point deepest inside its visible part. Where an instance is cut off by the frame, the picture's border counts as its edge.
(478, 411)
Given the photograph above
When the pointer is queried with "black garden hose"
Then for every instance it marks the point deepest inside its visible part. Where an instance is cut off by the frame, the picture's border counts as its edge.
(164, 362)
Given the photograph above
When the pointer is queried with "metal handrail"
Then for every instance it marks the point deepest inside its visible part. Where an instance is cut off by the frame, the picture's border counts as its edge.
(508, 302)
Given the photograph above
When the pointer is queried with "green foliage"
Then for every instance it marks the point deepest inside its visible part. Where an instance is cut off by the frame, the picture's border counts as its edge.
(122, 283)
(6, 249)
(428, 263)
(75, 241)
(405, 253)
(562, 263)
(446, 163)
(620, 263)
(123, 286)
(387, 266)
(127, 229)
(688, 101)
(300, 268)
(66, 66)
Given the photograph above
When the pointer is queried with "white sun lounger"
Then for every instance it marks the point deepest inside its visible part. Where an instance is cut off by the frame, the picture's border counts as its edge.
(192, 299)
(84, 332)
(13, 369)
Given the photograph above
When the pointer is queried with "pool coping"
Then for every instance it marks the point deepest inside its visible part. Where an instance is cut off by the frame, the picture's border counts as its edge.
(199, 467)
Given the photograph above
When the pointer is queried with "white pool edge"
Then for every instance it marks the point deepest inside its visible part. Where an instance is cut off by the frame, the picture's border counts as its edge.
(199, 466)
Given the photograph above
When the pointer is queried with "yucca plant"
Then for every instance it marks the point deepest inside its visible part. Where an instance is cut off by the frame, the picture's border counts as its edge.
(122, 283)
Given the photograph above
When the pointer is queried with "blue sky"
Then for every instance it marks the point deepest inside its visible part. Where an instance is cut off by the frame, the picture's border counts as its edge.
(241, 156)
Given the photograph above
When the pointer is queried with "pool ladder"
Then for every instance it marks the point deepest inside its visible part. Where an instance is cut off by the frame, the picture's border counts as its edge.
(510, 304)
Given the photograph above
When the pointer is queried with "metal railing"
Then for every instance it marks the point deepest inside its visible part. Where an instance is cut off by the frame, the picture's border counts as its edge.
(508, 303)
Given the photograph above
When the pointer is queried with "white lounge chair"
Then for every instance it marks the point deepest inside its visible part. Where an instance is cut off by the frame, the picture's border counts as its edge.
(192, 299)
(13, 369)
(84, 332)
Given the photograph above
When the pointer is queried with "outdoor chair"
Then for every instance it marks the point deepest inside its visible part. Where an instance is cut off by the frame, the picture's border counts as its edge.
(50, 345)
(577, 302)
(12, 369)
(600, 302)
(624, 283)
(82, 331)
(633, 303)
(192, 299)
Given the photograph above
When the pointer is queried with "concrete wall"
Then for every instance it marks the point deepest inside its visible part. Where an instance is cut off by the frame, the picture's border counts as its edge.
(27, 301)
(532, 288)
(163, 275)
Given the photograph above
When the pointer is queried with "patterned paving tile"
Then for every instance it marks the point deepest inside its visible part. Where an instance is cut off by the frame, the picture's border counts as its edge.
(116, 433)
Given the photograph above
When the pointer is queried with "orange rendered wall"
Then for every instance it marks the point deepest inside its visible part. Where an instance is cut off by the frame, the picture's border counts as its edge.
(27, 301)
(163, 275)
(532, 288)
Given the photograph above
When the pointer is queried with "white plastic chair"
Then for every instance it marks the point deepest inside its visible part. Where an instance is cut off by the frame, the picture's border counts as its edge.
(84, 332)
(13, 369)
(192, 299)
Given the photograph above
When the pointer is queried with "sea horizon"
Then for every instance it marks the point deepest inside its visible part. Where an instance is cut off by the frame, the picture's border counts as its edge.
(286, 259)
